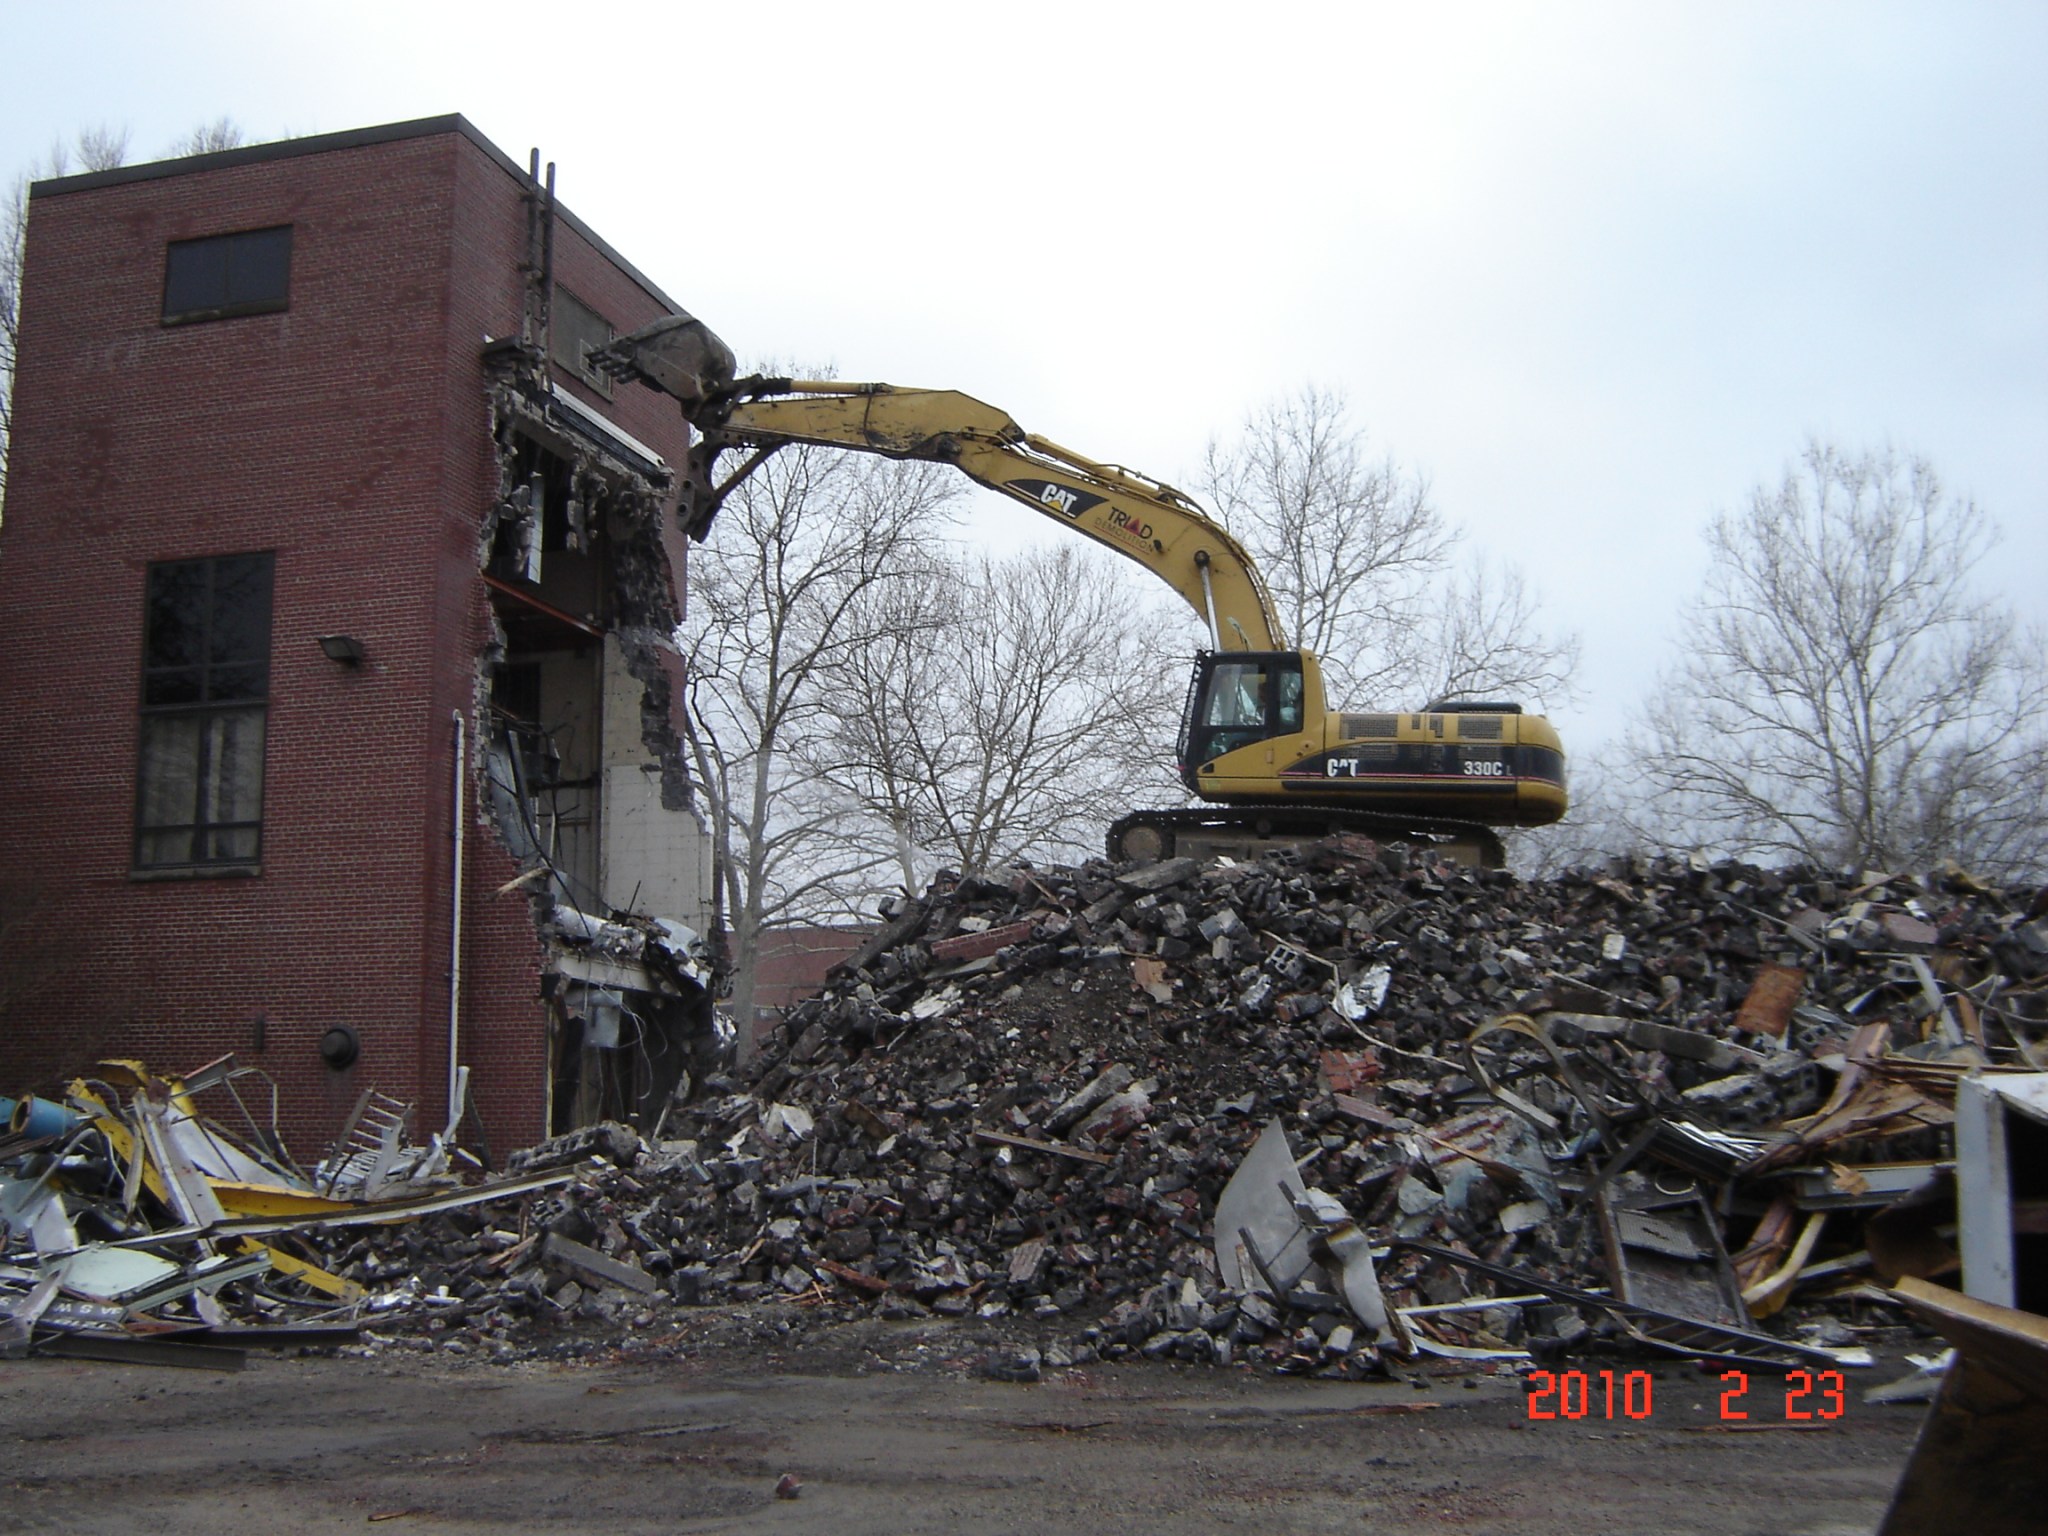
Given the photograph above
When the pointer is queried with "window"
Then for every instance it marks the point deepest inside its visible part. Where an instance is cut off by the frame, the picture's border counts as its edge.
(575, 331)
(1289, 680)
(205, 687)
(1238, 700)
(1231, 711)
(1238, 697)
(223, 275)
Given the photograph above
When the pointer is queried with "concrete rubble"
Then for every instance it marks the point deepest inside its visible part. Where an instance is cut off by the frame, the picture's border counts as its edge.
(1452, 1120)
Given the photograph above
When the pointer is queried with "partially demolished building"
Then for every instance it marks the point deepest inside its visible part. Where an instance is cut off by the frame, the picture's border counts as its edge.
(337, 600)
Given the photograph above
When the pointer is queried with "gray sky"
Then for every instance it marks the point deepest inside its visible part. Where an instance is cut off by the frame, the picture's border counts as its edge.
(1596, 270)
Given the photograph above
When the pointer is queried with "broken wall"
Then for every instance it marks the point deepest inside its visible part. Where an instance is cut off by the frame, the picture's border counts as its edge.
(583, 776)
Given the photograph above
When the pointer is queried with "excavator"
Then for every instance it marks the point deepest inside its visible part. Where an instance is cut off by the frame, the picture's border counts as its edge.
(1259, 744)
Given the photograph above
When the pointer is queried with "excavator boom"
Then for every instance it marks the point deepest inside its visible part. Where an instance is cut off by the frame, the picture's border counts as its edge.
(1141, 519)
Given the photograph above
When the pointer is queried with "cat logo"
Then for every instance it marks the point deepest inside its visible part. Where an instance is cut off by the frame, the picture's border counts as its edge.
(1050, 496)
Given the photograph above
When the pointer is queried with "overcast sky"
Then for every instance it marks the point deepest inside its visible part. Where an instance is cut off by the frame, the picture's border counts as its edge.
(1595, 270)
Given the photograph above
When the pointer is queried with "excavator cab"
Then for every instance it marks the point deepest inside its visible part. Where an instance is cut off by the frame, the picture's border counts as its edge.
(1235, 699)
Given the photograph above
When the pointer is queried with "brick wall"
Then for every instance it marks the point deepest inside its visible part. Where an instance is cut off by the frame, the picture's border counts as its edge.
(791, 964)
(351, 435)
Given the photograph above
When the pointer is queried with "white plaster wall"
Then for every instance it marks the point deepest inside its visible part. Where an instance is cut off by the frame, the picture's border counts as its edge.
(656, 861)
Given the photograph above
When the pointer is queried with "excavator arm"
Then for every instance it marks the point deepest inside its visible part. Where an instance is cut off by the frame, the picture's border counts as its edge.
(1141, 519)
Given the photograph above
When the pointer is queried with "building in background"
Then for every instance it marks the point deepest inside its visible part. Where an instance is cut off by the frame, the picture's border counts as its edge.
(792, 964)
(337, 601)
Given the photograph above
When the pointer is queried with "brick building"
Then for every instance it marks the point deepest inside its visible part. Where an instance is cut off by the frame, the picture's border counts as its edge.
(792, 964)
(318, 516)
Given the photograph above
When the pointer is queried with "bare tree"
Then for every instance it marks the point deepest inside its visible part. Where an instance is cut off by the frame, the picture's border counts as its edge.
(1487, 638)
(99, 148)
(221, 133)
(1013, 711)
(1345, 539)
(780, 601)
(1600, 826)
(874, 745)
(1360, 562)
(13, 239)
(1844, 695)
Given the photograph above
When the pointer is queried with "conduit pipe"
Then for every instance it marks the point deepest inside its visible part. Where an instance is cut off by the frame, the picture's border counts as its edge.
(455, 927)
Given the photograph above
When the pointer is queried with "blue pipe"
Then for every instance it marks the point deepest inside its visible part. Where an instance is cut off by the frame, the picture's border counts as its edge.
(40, 1117)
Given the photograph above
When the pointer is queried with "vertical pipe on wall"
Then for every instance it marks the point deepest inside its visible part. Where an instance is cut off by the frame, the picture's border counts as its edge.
(455, 926)
(547, 266)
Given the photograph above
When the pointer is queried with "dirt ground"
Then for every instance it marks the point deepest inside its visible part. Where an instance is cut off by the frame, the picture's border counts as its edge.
(889, 1428)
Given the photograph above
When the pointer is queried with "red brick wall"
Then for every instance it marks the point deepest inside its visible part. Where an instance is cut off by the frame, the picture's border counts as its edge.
(350, 434)
(790, 965)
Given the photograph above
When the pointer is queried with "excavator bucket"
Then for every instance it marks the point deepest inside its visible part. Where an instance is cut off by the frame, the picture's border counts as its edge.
(678, 354)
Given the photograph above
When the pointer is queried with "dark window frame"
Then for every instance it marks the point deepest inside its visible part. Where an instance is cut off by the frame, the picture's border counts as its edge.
(569, 344)
(204, 707)
(220, 277)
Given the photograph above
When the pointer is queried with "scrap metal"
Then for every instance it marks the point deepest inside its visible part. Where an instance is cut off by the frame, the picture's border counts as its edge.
(128, 1223)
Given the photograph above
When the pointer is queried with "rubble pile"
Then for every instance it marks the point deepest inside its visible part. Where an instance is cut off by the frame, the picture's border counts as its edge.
(1662, 1101)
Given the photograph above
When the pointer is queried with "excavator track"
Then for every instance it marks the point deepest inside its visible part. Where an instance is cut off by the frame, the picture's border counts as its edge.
(1248, 829)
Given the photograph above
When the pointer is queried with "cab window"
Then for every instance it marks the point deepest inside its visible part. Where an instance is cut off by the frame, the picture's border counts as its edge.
(1234, 711)
(1237, 697)
(1289, 714)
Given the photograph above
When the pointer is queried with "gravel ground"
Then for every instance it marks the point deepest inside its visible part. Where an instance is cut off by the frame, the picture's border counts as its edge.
(888, 1427)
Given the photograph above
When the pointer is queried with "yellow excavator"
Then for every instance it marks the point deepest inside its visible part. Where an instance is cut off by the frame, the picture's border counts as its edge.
(1258, 741)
